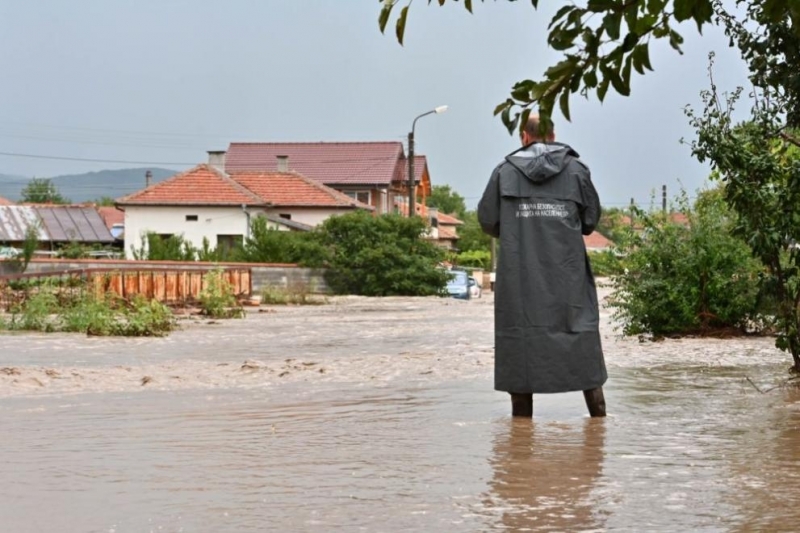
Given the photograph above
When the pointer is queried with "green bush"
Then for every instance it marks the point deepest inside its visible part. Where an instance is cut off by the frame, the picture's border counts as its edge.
(475, 259)
(266, 245)
(606, 263)
(381, 256)
(217, 299)
(154, 247)
(687, 280)
(294, 294)
(50, 308)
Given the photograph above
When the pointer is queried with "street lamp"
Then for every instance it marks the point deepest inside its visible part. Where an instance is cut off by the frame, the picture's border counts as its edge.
(412, 208)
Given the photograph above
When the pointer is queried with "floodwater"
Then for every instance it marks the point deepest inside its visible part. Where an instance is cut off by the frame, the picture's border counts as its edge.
(378, 415)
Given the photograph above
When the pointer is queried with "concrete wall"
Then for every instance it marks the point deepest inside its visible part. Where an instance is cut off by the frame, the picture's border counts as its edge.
(263, 275)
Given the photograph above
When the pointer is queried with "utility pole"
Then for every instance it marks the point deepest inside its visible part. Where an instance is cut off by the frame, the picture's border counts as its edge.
(631, 217)
(664, 199)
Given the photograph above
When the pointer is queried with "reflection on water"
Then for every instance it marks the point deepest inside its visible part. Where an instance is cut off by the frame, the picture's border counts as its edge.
(544, 473)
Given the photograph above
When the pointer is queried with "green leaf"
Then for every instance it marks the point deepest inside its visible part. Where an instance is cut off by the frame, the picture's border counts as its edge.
(590, 79)
(683, 9)
(611, 23)
(675, 40)
(602, 89)
(468, 5)
(641, 54)
(561, 13)
(599, 6)
(523, 120)
(563, 103)
(626, 71)
(620, 86)
(400, 29)
(500, 107)
(386, 11)
(630, 41)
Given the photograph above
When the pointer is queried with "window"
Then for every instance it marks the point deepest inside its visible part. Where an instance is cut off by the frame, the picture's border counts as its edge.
(229, 242)
(287, 216)
(191, 218)
(360, 196)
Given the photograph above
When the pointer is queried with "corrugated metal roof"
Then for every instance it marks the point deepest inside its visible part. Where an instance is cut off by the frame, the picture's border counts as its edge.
(71, 223)
(16, 219)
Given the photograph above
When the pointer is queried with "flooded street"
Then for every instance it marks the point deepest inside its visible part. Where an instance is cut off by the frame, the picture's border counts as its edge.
(379, 415)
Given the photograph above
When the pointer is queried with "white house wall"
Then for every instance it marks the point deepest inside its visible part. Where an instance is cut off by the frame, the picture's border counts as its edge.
(211, 221)
(310, 216)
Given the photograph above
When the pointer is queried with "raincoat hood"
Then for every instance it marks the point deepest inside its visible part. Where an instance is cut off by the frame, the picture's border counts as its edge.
(539, 162)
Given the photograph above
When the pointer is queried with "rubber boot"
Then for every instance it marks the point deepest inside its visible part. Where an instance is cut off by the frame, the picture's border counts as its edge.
(595, 401)
(522, 404)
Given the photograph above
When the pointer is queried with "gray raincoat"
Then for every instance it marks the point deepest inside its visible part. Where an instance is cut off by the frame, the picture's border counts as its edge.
(540, 202)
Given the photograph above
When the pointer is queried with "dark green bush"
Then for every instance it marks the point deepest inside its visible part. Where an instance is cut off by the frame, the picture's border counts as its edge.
(266, 245)
(381, 256)
(687, 280)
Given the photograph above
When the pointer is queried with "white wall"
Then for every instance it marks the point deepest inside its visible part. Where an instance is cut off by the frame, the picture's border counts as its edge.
(211, 221)
(311, 216)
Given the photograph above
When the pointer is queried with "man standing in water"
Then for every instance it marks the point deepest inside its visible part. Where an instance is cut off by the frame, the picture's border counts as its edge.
(539, 202)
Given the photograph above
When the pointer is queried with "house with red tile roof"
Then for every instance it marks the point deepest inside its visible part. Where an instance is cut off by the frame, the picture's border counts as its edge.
(443, 227)
(206, 202)
(597, 242)
(374, 173)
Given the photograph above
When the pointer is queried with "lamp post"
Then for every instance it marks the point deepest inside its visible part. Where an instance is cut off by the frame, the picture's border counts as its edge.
(412, 208)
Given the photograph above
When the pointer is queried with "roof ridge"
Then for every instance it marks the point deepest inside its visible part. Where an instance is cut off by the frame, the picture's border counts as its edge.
(330, 191)
(317, 142)
(242, 188)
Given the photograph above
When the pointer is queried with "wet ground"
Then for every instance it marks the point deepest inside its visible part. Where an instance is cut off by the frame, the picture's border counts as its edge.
(378, 415)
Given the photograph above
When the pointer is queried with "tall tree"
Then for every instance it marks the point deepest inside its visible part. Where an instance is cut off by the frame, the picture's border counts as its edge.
(604, 41)
(42, 191)
(446, 200)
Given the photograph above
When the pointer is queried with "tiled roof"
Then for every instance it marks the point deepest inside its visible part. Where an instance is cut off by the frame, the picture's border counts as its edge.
(597, 241)
(202, 185)
(205, 185)
(421, 210)
(289, 189)
(331, 163)
(111, 216)
(447, 234)
(5, 201)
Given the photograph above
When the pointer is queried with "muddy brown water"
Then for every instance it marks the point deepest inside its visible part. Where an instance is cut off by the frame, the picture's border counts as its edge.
(378, 415)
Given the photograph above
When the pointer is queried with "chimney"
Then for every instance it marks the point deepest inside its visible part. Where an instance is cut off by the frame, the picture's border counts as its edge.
(433, 214)
(283, 163)
(216, 159)
(148, 178)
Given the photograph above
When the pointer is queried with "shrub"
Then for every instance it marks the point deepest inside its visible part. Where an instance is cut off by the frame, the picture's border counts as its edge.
(475, 259)
(294, 294)
(155, 247)
(381, 256)
(606, 263)
(683, 280)
(267, 245)
(217, 298)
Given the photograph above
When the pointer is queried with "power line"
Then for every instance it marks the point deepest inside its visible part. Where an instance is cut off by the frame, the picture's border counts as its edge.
(88, 160)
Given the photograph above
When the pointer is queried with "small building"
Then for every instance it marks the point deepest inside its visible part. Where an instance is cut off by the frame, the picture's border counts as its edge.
(208, 203)
(373, 173)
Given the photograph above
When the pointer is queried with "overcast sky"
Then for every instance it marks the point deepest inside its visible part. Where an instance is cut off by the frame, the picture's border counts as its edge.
(162, 81)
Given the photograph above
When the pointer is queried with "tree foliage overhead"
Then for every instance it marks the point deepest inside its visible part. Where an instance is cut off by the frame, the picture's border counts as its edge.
(604, 41)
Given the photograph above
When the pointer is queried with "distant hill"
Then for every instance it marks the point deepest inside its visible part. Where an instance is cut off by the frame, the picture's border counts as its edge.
(91, 185)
